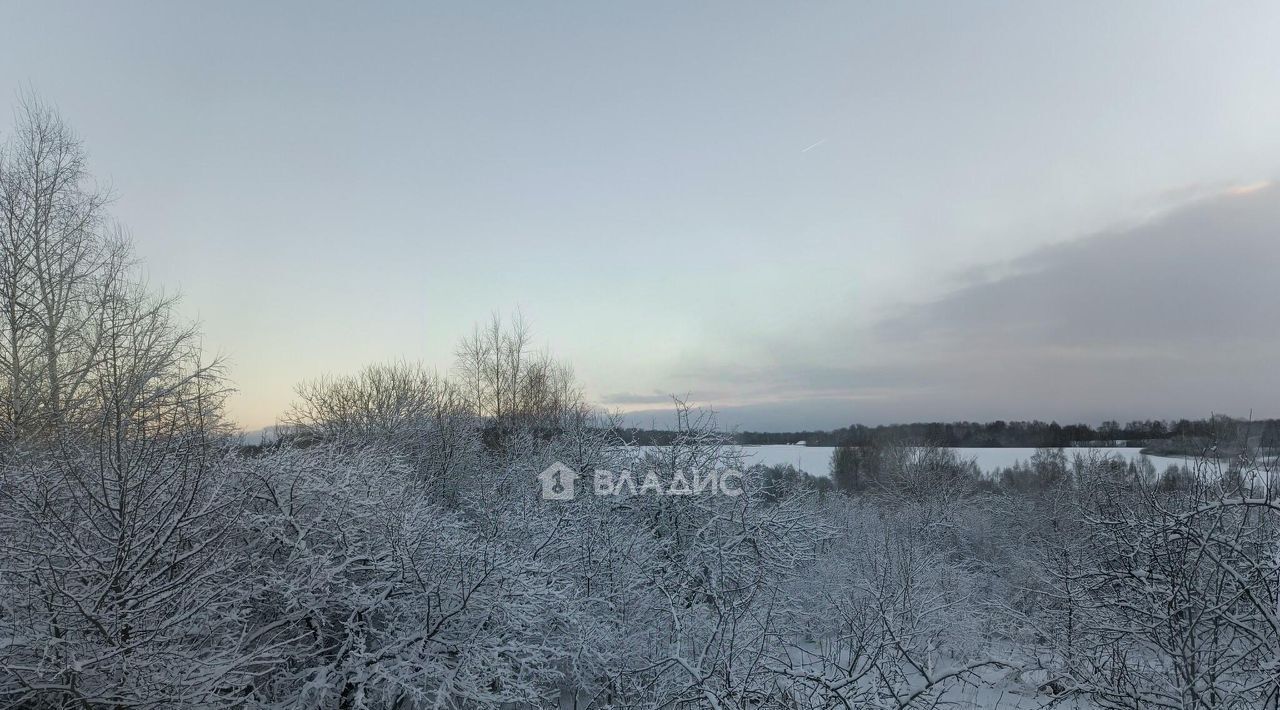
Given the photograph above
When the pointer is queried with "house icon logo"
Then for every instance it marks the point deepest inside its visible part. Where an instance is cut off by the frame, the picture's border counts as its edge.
(557, 482)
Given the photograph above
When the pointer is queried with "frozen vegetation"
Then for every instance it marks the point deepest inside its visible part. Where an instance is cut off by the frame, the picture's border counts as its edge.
(392, 549)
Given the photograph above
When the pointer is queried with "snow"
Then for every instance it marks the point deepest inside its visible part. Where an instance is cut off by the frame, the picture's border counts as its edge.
(816, 460)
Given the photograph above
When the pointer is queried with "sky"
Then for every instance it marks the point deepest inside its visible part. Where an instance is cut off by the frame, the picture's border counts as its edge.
(804, 215)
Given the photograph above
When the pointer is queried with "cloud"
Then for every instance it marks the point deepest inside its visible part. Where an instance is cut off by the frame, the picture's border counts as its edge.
(1251, 187)
(631, 398)
(1173, 317)
(1203, 274)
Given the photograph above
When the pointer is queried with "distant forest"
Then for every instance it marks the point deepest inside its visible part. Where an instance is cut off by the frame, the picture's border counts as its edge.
(1158, 435)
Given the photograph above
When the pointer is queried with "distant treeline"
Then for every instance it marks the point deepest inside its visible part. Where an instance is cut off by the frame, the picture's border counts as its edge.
(1160, 435)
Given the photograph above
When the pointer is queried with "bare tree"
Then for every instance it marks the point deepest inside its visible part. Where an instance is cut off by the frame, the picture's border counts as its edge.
(116, 511)
(54, 261)
(1185, 583)
(509, 384)
(403, 405)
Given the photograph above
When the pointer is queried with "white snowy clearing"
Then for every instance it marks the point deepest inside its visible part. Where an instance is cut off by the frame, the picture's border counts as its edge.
(816, 460)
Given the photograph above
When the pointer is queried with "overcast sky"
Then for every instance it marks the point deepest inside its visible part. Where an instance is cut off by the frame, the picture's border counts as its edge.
(803, 214)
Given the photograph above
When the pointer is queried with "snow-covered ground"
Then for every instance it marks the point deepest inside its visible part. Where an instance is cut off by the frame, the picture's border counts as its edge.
(816, 460)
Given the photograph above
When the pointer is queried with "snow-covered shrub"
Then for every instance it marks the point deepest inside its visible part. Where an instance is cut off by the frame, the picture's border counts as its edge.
(368, 593)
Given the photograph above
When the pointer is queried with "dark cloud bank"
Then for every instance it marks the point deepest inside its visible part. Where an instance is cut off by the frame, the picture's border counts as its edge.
(1176, 317)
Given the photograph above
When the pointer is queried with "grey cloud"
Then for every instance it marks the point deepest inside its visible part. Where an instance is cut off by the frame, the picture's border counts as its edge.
(1173, 317)
(624, 398)
(1204, 274)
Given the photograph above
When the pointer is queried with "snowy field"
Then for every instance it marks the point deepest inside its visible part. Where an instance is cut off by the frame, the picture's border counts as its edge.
(816, 460)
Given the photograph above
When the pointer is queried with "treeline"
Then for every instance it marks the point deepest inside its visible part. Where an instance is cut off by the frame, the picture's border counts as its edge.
(858, 469)
(1181, 436)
